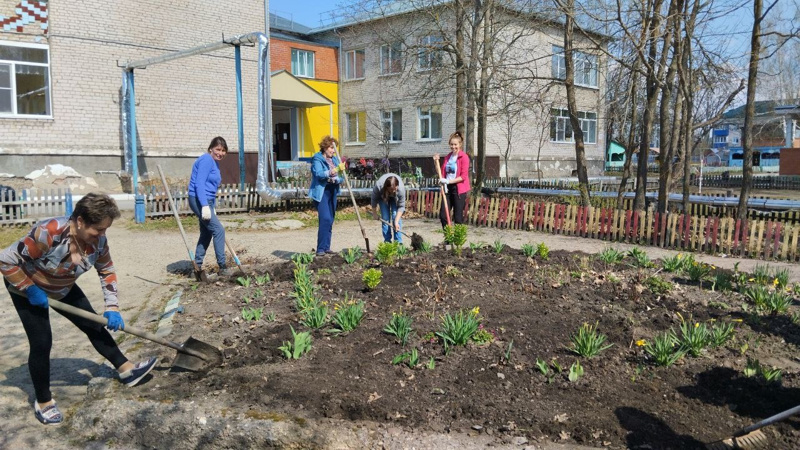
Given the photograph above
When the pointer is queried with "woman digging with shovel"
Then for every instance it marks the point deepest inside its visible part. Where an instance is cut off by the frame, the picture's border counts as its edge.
(389, 194)
(46, 263)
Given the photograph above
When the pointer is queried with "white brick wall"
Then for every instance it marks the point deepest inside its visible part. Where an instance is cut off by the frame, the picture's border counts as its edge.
(181, 105)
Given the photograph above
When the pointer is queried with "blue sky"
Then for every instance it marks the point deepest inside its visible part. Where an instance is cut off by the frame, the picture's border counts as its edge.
(304, 12)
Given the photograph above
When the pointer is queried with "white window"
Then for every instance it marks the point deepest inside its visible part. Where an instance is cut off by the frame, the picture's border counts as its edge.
(561, 128)
(354, 65)
(736, 140)
(430, 53)
(24, 80)
(302, 63)
(430, 122)
(390, 58)
(357, 127)
(720, 139)
(585, 67)
(392, 125)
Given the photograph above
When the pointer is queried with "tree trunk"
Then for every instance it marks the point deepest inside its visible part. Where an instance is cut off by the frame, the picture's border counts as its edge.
(461, 73)
(483, 96)
(569, 83)
(749, 111)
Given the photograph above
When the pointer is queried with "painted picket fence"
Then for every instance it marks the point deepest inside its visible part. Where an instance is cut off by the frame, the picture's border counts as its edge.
(765, 239)
(32, 205)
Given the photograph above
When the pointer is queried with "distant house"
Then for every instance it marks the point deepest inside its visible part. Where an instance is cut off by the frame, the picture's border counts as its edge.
(615, 158)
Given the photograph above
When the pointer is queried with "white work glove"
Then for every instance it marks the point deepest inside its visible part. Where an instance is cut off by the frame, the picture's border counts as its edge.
(443, 181)
(206, 213)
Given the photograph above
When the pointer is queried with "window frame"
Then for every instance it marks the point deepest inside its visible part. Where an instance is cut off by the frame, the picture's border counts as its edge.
(391, 121)
(350, 58)
(359, 124)
(562, 123)
(12, 74)
(429, 54)
(395, 50)
(586, 66)
(299, 51)
(429, 117)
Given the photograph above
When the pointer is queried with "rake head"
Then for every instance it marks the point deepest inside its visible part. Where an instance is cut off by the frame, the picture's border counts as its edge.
(753, 440)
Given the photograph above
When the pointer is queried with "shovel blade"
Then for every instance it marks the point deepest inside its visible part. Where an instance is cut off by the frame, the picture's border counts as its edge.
(212, 357)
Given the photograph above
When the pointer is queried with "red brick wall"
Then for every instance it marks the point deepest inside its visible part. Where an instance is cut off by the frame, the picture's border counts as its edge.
(325, 58)
(790, 161)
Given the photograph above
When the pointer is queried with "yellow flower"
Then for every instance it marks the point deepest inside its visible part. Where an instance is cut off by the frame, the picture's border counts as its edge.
(476, 310)
(641, 342)
(751, 279)
(737, 320)
(775, 282)
(696, 324)
(713, 268)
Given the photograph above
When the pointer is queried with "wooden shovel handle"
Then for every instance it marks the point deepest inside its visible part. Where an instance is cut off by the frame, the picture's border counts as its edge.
(128, 328)
(441, 189)
(177, 218)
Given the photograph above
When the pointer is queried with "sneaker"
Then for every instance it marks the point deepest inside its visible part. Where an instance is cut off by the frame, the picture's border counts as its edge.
(322, 253)
(50, 415)
(331, 252)
(134, 376)
(225, 272)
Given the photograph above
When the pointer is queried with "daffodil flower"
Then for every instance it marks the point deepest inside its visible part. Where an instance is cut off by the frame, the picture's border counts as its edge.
(641, 342)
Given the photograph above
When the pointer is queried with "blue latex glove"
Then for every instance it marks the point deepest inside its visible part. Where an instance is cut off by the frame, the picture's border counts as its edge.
(115, 322)
(36, 296)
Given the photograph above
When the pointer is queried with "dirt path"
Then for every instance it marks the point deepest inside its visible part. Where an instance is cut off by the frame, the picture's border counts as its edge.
(144, 260)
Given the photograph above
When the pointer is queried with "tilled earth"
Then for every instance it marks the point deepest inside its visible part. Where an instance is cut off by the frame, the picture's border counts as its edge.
(532, 306)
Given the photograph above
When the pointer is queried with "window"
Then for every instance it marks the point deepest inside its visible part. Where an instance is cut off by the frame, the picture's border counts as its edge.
(302, 63)
(561, 128)
(354, 65)
(430, 53)
(24, 80)
(357, 127)
(392, 125)
(720, 139)
(430, 122)
(585, 67)
(736, 140)
(390, 58)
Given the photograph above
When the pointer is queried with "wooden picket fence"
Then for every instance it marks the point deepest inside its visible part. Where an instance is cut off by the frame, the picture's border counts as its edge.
(786, 182)
(765, 239)
(32, 205)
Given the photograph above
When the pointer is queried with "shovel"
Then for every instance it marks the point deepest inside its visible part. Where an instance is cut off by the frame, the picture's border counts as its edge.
(199, 274)
(416, 240)
(353, 198)
(192, 355)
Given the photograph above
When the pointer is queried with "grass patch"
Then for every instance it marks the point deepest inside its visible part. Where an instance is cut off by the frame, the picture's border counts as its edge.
(189, 224)
(313, 221)
(9, 235)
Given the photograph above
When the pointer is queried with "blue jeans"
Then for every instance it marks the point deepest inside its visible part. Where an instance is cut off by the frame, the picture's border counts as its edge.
(388, 213)
(208, 229)
(327, 213)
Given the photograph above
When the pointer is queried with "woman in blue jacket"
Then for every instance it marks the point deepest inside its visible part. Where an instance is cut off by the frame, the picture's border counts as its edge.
(203, 185)
(325, 186)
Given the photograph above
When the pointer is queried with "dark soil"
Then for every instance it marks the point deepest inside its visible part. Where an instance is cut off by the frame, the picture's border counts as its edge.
(623, 399)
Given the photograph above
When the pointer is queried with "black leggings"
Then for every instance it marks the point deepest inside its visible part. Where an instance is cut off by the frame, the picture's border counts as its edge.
(456, 203)
(36, 322)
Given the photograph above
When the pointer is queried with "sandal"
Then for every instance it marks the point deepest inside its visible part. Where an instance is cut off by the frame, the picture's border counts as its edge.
(50, 415)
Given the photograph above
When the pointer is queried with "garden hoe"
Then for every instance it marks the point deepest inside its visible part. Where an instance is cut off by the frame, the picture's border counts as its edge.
(353, 198)
(416, 240)
(199, 274)
(192, 355)
(751, 436)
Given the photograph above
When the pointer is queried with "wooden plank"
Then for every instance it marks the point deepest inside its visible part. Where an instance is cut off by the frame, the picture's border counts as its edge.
(787, 230)
(714, 235)
(776, 240)
(759, 238)
(615, 228)
(627, 236)
(768, 239)
(793, 245)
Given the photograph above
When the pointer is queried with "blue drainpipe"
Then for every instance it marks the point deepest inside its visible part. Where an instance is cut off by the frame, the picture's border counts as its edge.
(138, 209)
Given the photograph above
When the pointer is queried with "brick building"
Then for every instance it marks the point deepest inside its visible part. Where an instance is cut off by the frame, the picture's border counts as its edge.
(60, 85)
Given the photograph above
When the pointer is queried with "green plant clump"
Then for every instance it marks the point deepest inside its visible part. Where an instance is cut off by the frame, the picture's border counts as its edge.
(611, 256)
(528, 250)
(316, 316)
(778, 302)
(762, 274)
(400, 327)
(543, 251)
(244, 281)
(663, 348)
(425, 247)
(657, 285)
(498, 246)
(351, 254)
(252, 314)
(640, 258)
(720, 334)
(456, 236)
(698, 271)
(348, 315)
(298, 346)
(575, 371)
(302, 258)
(410, 358)
(694, 337)
(588, 342)
(372, 278)
(458, 329)
(387, 252)
(673, 264)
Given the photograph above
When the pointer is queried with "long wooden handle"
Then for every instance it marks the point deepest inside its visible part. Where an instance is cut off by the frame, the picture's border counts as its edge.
(391, 225)
(177, 218)
(235, 258)
(444, 194)
(353, 198)
(128, 328)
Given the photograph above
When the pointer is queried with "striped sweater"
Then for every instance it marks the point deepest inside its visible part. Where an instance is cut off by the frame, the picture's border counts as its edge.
(42, 257)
